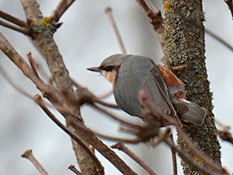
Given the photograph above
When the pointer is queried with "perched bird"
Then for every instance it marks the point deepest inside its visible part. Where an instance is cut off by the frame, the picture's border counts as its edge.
(130, 74)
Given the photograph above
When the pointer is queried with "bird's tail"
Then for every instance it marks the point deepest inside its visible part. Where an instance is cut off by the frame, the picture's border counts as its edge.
(190, 112)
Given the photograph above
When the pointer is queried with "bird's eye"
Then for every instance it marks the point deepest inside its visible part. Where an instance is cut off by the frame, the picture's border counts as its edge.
(108, 68)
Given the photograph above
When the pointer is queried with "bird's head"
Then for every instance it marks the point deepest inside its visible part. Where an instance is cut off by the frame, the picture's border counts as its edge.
(110, 66)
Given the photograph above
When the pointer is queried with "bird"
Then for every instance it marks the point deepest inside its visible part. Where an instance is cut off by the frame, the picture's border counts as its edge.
(130, 74)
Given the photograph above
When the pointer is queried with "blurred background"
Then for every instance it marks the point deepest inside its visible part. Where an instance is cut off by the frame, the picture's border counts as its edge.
(84, 40)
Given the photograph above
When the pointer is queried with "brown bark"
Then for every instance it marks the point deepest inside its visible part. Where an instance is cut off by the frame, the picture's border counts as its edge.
(185, 45)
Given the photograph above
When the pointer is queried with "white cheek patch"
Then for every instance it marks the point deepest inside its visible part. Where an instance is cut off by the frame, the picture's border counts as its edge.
(104, 73)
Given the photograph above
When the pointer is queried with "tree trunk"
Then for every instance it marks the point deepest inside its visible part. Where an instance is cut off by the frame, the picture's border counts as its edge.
(185, 45)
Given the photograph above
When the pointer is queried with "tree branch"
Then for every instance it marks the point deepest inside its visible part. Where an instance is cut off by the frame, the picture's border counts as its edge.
(60, 9)
(28, 155)
(73, 169)
(16, 28)
(108, 12)
(13, 19)
(155, 19)
(184, 43)
(122, 147)
(219, 39)
(39, 101)
(42, 38)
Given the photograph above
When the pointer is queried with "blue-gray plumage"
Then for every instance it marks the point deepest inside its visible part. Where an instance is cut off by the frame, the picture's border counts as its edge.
(130, 74)
(140, 73)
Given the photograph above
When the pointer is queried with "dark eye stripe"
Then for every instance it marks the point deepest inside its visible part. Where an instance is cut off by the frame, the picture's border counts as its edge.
(108, 68)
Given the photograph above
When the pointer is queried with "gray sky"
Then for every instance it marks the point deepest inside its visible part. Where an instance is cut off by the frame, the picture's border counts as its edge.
(85, 39)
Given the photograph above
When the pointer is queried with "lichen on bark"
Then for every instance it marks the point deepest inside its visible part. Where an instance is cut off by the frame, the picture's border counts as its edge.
(185, 45)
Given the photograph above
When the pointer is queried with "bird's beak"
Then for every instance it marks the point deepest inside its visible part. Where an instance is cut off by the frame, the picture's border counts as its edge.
(94, 69)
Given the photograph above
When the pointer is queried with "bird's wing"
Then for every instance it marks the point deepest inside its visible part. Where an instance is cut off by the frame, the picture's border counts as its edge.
(140, 73)
(162, 89)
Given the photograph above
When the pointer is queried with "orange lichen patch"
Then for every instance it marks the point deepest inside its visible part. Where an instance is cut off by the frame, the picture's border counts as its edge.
(170, 78)
(110, 76)
(198, 159)
(167, 6)
(180, 95)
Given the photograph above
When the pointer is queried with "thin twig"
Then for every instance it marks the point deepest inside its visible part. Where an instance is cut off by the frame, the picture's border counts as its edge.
(74, 170)
(62, 6)
(107, 94)
(75, 83)
(117, 139)
(16, 28)
(106, 104)
(32, 63)
(186, 139)
(115, 118)
(189, 160)
(220, 124)
(155, 19)
(161, 137)
(39, 101)
(13, 19)
(108, 12)
(219, 39)
(6, 76)
(103, 149)
(123, 148)
(226, 136)
(174, 162)
(14, 56)
(198, 153)
(230, 6)
(28, 155)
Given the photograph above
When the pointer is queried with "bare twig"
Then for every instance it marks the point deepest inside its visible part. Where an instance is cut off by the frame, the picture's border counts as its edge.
(6, 76)
(108, 12)
(174, 162)
(161, 137)
(219, 39)
(104, 150)
(107, 94)
(16, 28)
(62, 6)
(75, 83)
(117, 139)
(13, 19)
(155, 19)
(123, 148)
(48, 49)
(132, 125)
(13, 55)
(190, 161)
(39, 101)
(32, 63)
(220, 124)
(28, 155)
(226, 136)
(184, 137)
(224, 133)
(106, 104)
(54, 97)
(74, 170)
(200, 155)
(230, 6)
(44, 42)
